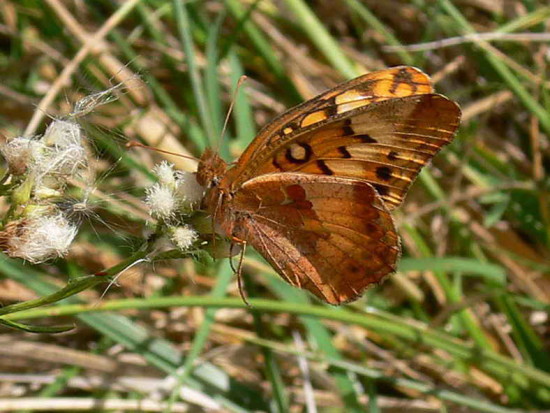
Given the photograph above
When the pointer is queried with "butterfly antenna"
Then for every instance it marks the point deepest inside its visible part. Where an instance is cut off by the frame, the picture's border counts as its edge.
(132, 144)
(242, 79)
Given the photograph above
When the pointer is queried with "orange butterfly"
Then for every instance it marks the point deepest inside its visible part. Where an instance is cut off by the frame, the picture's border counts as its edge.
(314, 190)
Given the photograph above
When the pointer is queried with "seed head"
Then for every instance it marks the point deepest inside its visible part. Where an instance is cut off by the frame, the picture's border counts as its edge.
(164, 171)
(20, 153)
(161, 201)
(183, 236)
(38, 239)
(63, 150)
(62, 133)
(189, 190)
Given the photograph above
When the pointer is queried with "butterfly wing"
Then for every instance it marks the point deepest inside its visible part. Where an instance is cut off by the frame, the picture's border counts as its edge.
(373, 87)
(332, 236)
(382, 139)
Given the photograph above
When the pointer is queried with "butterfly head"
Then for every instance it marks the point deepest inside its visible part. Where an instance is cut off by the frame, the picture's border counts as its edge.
(211, 169)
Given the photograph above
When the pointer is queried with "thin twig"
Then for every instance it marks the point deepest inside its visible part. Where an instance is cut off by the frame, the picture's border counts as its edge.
(68, 71)
(485, 104)
(480, 41)
(471, 38)
(72, 404)
(302, 363)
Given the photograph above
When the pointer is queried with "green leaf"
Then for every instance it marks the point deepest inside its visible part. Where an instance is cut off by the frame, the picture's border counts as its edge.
(35, 329)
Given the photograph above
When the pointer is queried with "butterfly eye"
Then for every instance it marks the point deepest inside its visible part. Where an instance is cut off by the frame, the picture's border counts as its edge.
(214, 182)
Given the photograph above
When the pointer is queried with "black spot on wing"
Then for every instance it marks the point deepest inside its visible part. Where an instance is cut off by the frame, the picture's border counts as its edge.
(403, 76)
(348, 130)
(384, 173)
(392, 155)
(354, 269)
(344, 152)
(381, 189)
(323, 167)
(331, 110)
(276, 164)
(366, 138)
(292, 125)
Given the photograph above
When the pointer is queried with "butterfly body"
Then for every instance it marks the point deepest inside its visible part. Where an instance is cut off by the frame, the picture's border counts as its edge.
(314, 190)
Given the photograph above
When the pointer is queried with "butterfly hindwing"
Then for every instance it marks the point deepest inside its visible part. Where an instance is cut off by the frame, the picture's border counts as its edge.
(332, 236)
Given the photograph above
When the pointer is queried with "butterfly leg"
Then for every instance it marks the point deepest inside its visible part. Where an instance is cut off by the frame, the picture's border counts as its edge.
(239, 269)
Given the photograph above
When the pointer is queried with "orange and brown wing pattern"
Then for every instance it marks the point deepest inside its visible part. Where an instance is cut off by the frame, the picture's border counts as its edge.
(331, 236)
(386, 144)
(358, 93)
(313, 192)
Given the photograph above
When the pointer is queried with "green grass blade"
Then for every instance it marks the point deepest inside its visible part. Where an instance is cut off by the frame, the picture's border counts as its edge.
(213, 89)
(382, 322)
(322, 39)
(186, 39)
(264, 49)
(201, 336)
(503, 71)
(490, 272)
(244, 119)
(322, 339)
(370, 18)
(158, 352)
(272, 370)
(527, 339)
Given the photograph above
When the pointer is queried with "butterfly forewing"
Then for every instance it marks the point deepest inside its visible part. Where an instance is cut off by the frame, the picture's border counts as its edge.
(373, 87)
(386, 144)
(385, 138)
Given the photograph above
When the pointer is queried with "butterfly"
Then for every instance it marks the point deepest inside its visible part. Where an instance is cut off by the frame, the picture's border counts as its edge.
(314, 191)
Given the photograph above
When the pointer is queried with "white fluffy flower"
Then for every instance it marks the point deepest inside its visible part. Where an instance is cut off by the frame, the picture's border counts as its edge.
(183, 237)
(64, 161)
(175, 192)
(65, 152)
(164, 171)
(59, 152)
(20, 153)
(63, 133)
(161, 201)
(40, 238)
(188, 189)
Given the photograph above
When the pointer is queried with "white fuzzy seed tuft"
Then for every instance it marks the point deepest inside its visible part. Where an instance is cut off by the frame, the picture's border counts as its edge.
(63, 151)
(183, 237)
(42, 238)
(164, 171)
(20, 153)
(188, 189)
(161, 201)
(66, 161)
(63, 133)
